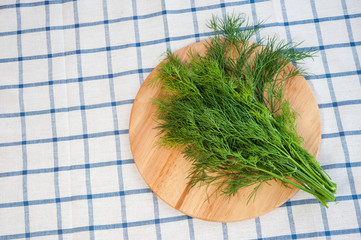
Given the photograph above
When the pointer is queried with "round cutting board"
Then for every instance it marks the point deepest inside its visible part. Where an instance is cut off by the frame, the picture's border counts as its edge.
(165, 171)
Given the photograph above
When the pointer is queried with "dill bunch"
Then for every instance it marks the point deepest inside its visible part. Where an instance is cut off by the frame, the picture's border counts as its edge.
(226, 111)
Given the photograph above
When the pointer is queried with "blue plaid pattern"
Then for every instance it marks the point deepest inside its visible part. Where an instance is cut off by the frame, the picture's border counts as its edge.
(70, 70)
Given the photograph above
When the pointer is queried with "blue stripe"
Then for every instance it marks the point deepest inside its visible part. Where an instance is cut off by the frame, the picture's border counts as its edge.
(285, 20)
(291, 220)
(315, 201)
(338, 118)
(168, 12)
(96, 227)
(333, 75)
(67, 168)
(84, 123)
(76, 198)
(255, 19)
(147, 43)
(53, 123)
(137, 39)
(165, 24)
(341, 134)
(195, 20)
(156, 216)
(258, 228)
(115, 120)
(325, 222)
(68, 109)
(223, 7)
(225, 231)
(130, 18)
(330, 46)
(23, 127)
(351, 38)
(33, 4)
(191, 228)
(340, 103)
(68, 138)
(140, 74)
(147, 190)
(341, 165)
(167, 220)
(73, 80)
(315, 234)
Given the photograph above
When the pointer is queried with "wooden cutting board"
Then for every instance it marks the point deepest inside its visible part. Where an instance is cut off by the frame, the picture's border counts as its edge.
(166, 171)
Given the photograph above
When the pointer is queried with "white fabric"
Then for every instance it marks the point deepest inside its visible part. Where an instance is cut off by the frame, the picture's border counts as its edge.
(69, 73)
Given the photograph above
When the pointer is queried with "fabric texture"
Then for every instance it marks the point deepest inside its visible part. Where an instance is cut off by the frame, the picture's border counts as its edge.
(69, 73)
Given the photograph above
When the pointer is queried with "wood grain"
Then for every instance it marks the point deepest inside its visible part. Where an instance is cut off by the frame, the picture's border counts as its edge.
(166, 171)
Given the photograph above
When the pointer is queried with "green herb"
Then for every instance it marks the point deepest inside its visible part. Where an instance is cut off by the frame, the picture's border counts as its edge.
(226, 111)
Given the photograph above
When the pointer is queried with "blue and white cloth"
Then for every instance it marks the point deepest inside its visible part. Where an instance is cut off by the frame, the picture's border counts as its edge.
(69, 73)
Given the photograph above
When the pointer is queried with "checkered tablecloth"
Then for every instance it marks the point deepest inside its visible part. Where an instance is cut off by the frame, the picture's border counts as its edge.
(69, 73)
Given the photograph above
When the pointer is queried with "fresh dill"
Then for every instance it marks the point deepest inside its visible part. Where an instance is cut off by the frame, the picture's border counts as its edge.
(227, 112)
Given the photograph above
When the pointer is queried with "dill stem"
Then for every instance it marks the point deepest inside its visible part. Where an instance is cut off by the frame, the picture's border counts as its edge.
(309, 177)
(286, 180)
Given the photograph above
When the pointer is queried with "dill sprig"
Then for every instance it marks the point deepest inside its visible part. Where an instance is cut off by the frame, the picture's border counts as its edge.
(226, 111)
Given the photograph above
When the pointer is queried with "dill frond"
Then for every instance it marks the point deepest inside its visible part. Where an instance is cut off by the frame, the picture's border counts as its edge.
(227, 112)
